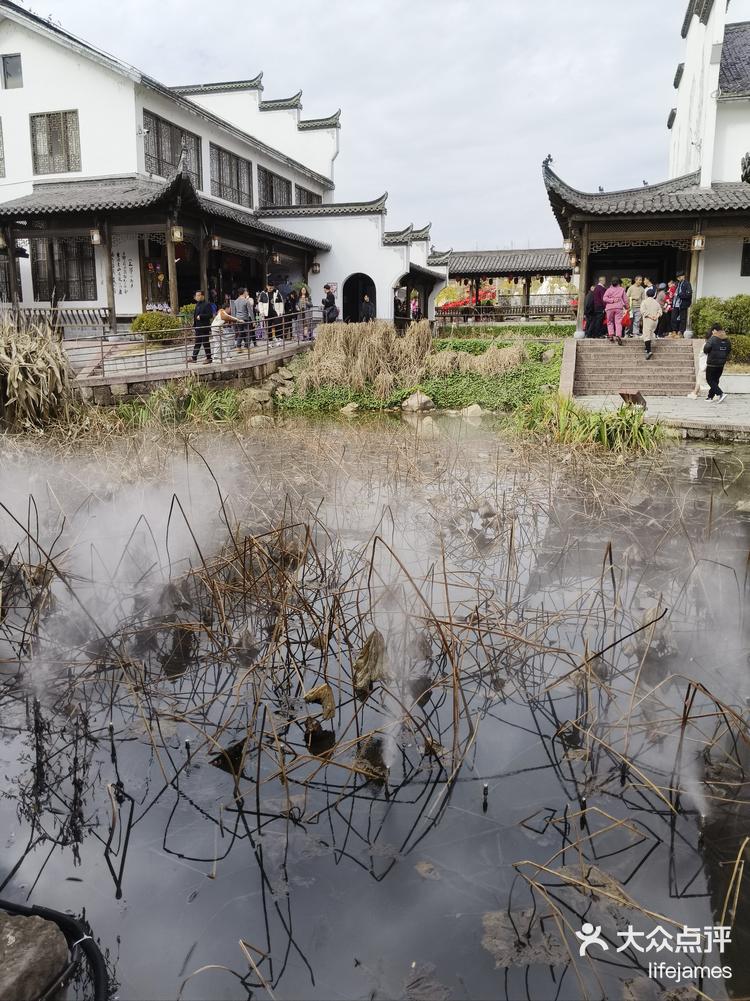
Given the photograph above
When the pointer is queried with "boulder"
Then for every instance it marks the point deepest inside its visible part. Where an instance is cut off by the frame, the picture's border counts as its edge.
(349, 409)
(472, 411)
(33, 952)
(287, 389)
(285, 374)
(256, 395)
(548, 355)
(417, 402)
(260, 421)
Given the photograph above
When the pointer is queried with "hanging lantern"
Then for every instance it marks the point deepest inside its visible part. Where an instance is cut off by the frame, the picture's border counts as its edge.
(492, 281)
(515, 280)
(215, 243)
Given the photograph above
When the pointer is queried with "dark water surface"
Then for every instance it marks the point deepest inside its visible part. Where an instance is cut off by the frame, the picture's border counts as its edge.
(571, 636)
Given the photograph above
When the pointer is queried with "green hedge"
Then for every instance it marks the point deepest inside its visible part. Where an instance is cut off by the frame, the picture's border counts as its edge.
(733, 314)
(153, 324)
(509, 330)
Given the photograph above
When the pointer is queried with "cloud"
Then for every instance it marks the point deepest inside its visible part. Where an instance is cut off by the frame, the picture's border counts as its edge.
(450, 105)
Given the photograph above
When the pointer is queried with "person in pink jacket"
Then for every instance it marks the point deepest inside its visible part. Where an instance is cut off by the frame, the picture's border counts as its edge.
(615, 304)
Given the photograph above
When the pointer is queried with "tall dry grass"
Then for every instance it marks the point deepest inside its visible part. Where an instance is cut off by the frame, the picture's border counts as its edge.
(357, 356)
(36, 383)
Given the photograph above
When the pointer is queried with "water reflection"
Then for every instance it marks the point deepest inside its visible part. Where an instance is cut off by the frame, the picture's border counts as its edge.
(258, 721)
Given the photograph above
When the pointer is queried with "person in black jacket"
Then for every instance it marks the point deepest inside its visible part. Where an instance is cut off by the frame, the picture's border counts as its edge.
(330, 312)
(588, 311)
(718, 348)
(366, 309)
(202, 318)
(683, 300)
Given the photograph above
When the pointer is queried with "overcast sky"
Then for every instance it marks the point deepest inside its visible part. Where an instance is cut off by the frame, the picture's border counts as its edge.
(449, 105)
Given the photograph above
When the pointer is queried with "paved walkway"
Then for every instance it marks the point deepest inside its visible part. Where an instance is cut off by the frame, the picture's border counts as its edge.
(697, 418)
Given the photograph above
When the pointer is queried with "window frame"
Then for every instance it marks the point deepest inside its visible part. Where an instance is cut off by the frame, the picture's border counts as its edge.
(11, 55)
(67, 149)
(311, 197)
(277, 182)
(745, 259)
(83, 267)
(155, 134)
(2, 150)
(220, 188)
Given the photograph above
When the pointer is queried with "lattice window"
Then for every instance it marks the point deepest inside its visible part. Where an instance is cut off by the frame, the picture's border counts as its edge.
(75, 270)
(2, 151)
(5, 279)
(55, 142)
(273, 189)
(597, 245)
(306, 197)
(231, 177)
(163, 143)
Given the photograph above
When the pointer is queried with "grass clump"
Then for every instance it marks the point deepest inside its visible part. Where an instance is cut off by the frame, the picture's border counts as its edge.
(36, 383)
(565, 422)
(362, 356)
(181, 402)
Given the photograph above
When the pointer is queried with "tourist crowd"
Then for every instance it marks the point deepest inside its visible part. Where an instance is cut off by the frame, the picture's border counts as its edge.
(640, 309)
(649, 311)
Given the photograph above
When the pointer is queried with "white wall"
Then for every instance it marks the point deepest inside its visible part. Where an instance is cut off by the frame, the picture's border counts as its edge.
(692, 135)
(210, 133)
(732, 139)
(356, 243)
(720, 268)
(315, 148)
(56, 79)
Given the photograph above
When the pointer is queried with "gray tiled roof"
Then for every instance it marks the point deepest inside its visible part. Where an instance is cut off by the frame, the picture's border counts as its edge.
(283, 103)
(407, 235)
(106, 193)
(220, 88)
(681, 194)
(332, 122)
(132, 192)
(398, 237)
(547, 261)
(701, 8)
(439, 258)
(375, 207)
(688, 18)
(734, 74)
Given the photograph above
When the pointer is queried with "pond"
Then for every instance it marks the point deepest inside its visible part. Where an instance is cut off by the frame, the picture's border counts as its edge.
(388, 710)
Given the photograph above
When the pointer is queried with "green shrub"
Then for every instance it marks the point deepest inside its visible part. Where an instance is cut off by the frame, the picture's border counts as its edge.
(733, 314)
(740, 349)
(562, 420)
(471, 345)
(509, 330)
(154, 324)
(186, 314)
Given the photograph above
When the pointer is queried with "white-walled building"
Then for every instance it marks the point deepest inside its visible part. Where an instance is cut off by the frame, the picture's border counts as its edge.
(118, 191)
(699, 219)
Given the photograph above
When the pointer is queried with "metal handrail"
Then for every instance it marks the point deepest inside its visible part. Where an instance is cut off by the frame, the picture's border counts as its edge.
(171, 350)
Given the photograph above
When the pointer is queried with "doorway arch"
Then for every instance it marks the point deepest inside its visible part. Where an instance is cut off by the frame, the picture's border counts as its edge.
(356, 287)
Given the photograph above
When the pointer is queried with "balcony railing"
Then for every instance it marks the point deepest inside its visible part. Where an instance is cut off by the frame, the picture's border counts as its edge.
(67, 321)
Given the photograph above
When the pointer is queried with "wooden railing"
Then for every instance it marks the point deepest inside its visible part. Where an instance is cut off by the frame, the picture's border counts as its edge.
(510, 307)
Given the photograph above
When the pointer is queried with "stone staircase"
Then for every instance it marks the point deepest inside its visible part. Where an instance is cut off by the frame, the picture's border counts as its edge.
(603, 369)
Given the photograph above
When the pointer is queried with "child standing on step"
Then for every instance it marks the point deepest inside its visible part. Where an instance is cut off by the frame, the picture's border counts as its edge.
(651, 313)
